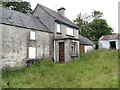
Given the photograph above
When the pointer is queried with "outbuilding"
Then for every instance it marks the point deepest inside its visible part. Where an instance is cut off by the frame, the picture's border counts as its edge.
(109, 42)
(86, 45)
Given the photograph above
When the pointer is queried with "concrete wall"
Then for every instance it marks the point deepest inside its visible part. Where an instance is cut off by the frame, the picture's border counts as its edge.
(106, 43)
(16, 41)
(68, 51)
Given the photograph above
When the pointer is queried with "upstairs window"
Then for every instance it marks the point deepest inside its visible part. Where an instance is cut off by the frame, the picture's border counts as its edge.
(58, 28)
(70, 31)
(32, 35)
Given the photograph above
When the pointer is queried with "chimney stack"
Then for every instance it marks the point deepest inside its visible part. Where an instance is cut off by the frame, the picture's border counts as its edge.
(61, 11)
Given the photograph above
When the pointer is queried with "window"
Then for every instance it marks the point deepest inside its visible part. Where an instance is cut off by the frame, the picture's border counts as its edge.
(58, 28)
(32, 35)
(32, 52)
(69, 31)
(74, 49)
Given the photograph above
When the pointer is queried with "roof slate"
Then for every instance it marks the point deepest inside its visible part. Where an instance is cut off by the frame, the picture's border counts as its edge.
(107, 37)
(15, 18)
(56, 15)
(85, 41)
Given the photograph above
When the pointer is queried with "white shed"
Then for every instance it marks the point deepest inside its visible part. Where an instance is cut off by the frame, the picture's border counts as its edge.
(109, 42)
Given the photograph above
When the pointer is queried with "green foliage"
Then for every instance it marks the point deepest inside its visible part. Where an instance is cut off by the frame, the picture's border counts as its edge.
(99, 28)
(92, 27)
(97, 14)
(96, 69)
(22, 6)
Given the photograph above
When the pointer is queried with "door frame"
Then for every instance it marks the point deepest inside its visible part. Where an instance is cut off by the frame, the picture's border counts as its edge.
(63, 50)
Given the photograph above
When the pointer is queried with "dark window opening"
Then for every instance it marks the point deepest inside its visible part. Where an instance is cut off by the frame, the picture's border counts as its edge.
(113, 45)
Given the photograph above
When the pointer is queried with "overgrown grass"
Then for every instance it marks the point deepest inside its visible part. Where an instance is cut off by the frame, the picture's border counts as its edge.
(97, 69)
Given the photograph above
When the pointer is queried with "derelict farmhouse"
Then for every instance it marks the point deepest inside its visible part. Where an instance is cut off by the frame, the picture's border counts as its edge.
(46, 34)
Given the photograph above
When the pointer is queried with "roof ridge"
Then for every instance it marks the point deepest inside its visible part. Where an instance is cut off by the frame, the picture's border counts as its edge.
(45, 9)
(16, 11)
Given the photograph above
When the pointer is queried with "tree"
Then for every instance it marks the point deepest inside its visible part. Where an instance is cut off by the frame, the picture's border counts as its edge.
(99, 28)
(82, 22)
(92, 26)
(24, 7)
(97, 14)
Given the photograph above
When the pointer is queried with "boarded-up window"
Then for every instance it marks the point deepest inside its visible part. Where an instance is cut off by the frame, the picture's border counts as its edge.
(32, 35)
(69, 31)
(58, 28)
(32, 52)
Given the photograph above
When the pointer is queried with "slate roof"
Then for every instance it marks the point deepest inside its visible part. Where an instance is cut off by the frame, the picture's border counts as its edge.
(107, 37)
(15, 18)
(56, 15)
(85, 41)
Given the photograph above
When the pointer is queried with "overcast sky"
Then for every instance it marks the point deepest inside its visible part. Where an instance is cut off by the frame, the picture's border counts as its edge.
(74, 7)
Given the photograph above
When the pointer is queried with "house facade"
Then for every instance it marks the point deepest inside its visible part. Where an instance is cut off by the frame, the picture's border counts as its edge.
(46, 34)
(66, 39)
(109, 42)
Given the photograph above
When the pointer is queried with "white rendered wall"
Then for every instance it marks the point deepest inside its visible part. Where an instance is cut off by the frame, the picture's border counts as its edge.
(106, 43)
(88, 48)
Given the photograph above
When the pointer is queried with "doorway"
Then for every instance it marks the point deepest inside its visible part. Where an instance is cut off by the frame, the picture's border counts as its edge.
(113, 44)
(61, 52)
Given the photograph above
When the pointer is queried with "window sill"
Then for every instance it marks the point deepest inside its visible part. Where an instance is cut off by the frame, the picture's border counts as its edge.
(69, 35)
(74, 56)
(59, 33)
(32, 39)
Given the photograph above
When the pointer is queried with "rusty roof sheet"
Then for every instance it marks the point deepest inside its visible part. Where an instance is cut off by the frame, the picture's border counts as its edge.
(107, 37)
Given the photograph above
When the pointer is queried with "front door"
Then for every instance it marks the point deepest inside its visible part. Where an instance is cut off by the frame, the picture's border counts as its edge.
(61, 52)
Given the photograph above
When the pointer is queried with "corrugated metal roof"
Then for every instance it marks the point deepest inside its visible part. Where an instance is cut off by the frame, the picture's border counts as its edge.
(85, 41)
(107, 37)
(15, 18)
(56, 15)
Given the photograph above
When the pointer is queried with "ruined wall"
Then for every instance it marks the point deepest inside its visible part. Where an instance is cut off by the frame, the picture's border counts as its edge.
(15, 43)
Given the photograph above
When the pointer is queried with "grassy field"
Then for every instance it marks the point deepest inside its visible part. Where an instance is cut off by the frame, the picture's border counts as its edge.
(97, 69)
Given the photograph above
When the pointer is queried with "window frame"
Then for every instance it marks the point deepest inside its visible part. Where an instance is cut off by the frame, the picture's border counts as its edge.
(32, 35)
(74, 49)
(35, 52)
(58, 30)
(68, 29)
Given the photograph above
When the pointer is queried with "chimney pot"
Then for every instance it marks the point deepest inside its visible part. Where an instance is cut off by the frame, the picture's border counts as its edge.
(61, 11)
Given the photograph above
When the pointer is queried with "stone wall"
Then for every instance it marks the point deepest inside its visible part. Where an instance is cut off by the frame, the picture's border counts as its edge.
(15, 43)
